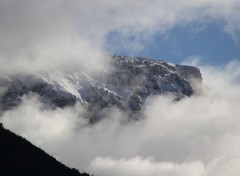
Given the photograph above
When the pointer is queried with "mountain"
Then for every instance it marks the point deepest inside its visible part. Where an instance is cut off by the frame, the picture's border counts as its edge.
(20, 157)
(126, 85)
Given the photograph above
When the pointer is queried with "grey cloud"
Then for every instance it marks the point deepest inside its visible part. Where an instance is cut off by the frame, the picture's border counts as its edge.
(147, 166)
(44, 36)
(197, 135)
(47, 35)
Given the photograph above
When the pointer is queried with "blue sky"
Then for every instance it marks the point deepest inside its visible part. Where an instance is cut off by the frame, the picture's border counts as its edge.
(209, 42)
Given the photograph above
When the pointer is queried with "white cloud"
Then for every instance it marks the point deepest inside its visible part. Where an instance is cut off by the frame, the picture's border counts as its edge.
(142, 167)
(39, 123)
(47, 35)
(195, 136)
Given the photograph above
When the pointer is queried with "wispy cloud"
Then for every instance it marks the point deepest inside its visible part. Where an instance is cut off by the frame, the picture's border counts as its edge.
(44, 35)
(197, 135)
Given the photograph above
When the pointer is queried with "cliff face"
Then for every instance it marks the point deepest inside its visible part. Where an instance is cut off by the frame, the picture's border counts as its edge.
(189, 72)
(126, 86)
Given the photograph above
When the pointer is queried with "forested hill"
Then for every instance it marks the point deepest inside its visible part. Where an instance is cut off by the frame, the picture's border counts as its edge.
(19, 157)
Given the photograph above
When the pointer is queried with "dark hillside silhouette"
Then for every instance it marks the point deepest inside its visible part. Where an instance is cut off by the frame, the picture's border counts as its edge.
(19, 157)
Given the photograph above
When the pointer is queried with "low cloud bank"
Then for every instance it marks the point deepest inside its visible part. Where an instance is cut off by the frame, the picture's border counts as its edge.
(195, 136)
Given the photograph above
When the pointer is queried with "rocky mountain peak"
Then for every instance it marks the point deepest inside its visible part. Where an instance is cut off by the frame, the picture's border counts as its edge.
(127, 86)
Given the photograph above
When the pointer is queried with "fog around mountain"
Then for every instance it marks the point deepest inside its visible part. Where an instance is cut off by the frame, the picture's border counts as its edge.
(198, 135)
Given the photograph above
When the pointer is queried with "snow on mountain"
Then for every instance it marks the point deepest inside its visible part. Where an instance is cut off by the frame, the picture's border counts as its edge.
(127, 86)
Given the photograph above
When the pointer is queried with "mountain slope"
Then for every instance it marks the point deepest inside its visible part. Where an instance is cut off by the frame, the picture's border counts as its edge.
(126, 85)
(20, 157)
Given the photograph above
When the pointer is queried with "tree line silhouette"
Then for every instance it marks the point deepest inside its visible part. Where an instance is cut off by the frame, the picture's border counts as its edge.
(19, 157)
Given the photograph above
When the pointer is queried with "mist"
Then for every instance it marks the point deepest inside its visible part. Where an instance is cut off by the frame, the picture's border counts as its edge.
(41, 36)
(197, 136)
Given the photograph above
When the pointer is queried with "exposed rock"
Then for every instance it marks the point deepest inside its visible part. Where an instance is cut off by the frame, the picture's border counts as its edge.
(127, 86)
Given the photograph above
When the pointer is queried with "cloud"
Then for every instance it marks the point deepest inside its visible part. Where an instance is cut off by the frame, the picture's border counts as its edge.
(141, 167)
(43, 36)
(135, 23)
(38, 123)
(194, 136)
(62, 35)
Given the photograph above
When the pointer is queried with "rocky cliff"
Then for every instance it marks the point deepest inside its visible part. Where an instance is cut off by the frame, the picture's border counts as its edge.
(127, 85)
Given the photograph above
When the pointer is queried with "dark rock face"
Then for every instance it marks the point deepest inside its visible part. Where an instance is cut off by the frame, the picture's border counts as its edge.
(127, 86)
(188, 72)
(19, 87)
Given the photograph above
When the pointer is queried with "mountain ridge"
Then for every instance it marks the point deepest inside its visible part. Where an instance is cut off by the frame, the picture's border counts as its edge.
(126, 86)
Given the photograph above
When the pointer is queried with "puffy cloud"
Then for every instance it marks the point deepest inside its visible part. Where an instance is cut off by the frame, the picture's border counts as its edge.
(195, 136)
(39, 123)
(47, 35)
